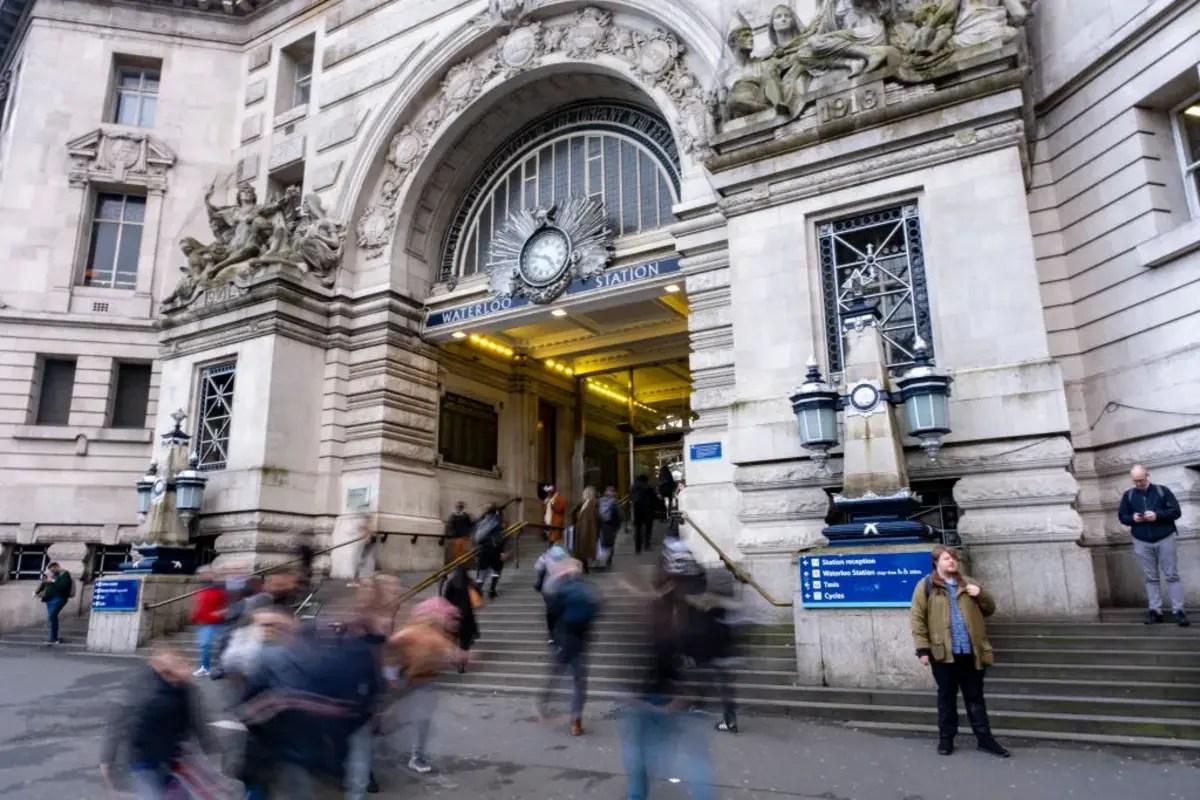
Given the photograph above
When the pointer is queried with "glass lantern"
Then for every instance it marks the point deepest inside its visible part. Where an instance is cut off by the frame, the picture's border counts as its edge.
(816, 405)
(189, 489)
(145, 488)
(925, 393)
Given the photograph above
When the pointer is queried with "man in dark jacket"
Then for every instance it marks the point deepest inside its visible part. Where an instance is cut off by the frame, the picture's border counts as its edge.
(1150, 512)
(644, 504)
(55, 591)
(150, 730)
(574, 607)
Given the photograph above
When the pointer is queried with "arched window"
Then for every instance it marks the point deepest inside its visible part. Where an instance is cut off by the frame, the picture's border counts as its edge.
(620, 153)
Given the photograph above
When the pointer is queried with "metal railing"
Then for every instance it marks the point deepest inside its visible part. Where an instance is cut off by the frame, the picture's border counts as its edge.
(740, 574)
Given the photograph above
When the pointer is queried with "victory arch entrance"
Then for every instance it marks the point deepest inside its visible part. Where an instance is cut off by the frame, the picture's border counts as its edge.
(560, 310)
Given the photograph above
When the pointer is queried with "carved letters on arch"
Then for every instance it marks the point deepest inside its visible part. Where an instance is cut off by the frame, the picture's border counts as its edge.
(121, 157)
(655, 59)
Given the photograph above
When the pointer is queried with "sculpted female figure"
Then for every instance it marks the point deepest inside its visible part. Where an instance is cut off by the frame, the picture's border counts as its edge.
(845, 35)
(248, 225)
(786, 79)
(982, 21)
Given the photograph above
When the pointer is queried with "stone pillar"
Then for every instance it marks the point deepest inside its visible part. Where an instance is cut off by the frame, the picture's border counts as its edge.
(1023, 536)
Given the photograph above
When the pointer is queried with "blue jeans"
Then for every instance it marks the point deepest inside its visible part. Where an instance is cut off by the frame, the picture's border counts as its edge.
(654, 740)
(205, 636)
(54, 607)
(149, 780)
(358, 762)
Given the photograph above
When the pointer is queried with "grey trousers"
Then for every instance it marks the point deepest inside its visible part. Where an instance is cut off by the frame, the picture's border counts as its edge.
(1161, 557)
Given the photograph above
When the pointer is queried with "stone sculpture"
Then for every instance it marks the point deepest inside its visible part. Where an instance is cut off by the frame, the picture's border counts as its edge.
(250, 235)
(851, 38)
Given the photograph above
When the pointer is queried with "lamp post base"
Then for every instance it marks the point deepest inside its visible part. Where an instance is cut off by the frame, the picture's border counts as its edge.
(164, 560)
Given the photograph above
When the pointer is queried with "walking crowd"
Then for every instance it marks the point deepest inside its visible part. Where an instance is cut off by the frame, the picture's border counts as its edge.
(306, 703)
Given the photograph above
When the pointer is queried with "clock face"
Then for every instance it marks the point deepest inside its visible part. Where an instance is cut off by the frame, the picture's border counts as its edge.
(864, 397)
(544, 256)
(160, 487)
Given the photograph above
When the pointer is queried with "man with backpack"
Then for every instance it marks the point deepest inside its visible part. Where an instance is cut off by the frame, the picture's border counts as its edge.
(489, 538)
(55, 590)
(1150, 512)
(574, 607)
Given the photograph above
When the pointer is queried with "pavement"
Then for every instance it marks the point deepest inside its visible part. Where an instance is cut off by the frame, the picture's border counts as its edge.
(489, 747)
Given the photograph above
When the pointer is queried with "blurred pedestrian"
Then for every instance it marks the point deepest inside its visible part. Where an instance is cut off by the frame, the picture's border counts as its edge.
(948, 628)
(424, 647)
(610, 525)
(644, 506)
(367, 559)
(666, 488)
(575, 604)
(585, 543)
(237, 591)
(208, 615)
(548, 570)
(461, 593)
(712, 645)
(458, 537)
(151, 728)
(55, 590)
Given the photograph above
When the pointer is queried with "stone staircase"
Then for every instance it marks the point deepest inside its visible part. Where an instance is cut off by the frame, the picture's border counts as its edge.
(1112, 682)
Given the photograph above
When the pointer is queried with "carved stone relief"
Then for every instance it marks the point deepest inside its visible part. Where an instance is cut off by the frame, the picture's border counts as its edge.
(125, 158)
(847, 39)
(250, 236)
(654, 59)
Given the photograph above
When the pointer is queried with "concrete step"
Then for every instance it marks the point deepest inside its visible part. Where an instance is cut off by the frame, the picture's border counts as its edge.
(1083, 738)
(1140, 689)
(747, 688)
(1188, 644)
(1121, 673)
(600, 657)
(1149, 658)
(1063, 726)
(1091, 629)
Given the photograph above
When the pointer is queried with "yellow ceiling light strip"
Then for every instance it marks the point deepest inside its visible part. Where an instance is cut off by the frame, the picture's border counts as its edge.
(613, 394)
(484, 343)
(559, 367)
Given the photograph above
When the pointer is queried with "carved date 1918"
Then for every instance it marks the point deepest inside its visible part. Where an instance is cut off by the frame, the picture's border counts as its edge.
(851, 103)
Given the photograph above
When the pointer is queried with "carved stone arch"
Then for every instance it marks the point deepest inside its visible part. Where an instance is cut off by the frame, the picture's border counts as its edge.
(640, 51)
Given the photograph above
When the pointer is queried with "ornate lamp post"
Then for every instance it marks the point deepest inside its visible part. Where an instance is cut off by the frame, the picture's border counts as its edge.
(166, 505)
(816, 405)
(925, 393)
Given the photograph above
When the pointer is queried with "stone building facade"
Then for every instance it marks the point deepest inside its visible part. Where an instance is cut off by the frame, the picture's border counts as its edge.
(327, 334)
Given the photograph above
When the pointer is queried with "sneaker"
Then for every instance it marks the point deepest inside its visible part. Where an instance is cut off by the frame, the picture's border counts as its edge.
(577, 728)
(201, 673)
(945, 747)
(419, 765)
(1181, 619)
(990, 745)
(1154, 617)
(727, 727)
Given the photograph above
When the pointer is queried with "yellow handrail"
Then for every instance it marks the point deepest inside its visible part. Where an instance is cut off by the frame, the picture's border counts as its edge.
(737, 571)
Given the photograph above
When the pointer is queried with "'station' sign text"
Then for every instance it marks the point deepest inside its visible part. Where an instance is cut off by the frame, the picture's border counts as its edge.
(861, 580)
(608, 280)
(115, 594)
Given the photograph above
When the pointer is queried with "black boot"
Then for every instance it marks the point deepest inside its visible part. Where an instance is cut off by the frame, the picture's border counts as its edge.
(946, 746)
(988, 744)
(492, 590)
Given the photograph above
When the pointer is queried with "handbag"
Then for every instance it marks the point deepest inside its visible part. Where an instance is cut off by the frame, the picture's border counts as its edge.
(476, 597)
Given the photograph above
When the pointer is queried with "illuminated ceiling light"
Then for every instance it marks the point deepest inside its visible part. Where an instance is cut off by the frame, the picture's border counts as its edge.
(1192, 111)
(558, 312)
(550, 363)
(459, 335)
(475, 338)
(671, 288)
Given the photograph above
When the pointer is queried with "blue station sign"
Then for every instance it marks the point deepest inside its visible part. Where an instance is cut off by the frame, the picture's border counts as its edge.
(607, 280)
(706, 451)
(115, 594)
(861, 580)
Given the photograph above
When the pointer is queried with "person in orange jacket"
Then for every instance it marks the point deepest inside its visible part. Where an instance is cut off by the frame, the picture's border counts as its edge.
(556, 514)
(208, 615)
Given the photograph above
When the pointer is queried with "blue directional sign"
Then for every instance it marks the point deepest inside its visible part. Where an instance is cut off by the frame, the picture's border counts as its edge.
(115, 594)
(706, 451)
(861, 580)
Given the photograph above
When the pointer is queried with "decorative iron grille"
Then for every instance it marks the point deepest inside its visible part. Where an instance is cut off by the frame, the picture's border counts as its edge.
(216, 416)
(879, 257)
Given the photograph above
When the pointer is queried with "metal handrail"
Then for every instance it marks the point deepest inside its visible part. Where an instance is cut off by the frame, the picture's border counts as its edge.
(737, 571)
(265, 570)
(511, 531)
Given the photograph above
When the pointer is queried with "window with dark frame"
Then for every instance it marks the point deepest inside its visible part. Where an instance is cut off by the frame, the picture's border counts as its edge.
(302, 88)
(115, 241)
(57, 386)
(135, 96)
(878, 257)
(28, 562)
(936, 507)
(131, 397)
(108, 558)
(468, 432)
(215, 417)
(1187, 132)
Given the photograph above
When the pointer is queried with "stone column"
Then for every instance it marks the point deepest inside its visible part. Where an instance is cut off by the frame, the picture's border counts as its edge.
(1023, 536)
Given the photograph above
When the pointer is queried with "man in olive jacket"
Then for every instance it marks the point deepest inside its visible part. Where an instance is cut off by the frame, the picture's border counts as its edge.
(951, 638)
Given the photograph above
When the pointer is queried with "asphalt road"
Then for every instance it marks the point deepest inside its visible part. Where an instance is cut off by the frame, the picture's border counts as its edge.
(54, 711)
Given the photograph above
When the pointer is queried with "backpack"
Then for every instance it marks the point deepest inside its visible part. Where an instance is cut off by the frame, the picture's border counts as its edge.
(70, 586)
(610, 511)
